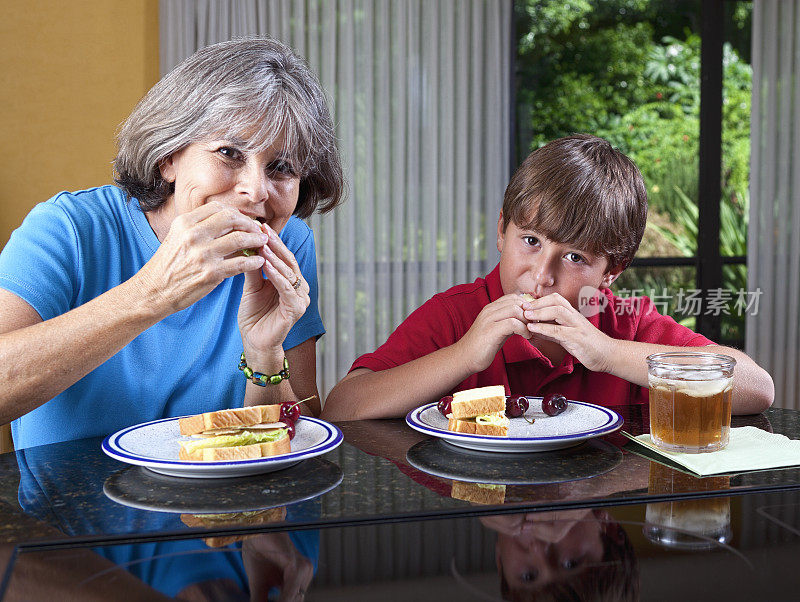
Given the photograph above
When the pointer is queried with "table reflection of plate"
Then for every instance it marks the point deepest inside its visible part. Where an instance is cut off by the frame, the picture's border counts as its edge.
(154, 445)
(139, 488)
(579, 422)
(578, 462)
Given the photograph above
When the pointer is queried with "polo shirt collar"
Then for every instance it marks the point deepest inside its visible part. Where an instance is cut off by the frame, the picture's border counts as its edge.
(493, 285)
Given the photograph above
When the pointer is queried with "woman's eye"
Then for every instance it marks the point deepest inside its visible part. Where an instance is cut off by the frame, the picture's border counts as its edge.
(282, 168)
(529, 576)
(230, 153)
(574, 257)
(569, 564)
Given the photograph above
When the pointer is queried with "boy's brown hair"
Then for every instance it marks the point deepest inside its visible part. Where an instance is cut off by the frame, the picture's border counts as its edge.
(580, 190)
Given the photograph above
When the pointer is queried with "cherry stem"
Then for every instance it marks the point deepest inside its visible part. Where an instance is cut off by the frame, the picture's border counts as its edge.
(531, 421)
(296, 403)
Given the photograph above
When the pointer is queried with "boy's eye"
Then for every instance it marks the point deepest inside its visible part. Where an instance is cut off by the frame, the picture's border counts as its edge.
(569, 564)
(230, 153)
(574, 257)
(531, 240)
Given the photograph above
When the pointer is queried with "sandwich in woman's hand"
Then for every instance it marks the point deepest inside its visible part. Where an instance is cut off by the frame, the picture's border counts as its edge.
(480, 411)
(235, 434)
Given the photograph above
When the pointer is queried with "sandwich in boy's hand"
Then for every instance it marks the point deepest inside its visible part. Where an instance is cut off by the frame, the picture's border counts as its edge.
(235, 434)
(480, 411)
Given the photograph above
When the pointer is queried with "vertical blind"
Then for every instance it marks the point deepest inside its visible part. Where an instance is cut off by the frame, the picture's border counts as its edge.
(420, 94)
(773, 243)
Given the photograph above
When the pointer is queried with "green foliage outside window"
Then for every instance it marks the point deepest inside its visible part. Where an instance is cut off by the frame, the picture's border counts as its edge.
(629, 71)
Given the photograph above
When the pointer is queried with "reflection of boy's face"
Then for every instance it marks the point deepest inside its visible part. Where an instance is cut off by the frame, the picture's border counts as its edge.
(532, 263)
(548, 551)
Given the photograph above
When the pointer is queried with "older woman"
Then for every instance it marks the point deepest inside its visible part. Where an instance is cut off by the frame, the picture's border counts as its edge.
(122, 304)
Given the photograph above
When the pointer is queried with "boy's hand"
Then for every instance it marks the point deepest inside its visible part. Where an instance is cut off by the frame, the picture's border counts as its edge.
(553, 318)
(496, 322)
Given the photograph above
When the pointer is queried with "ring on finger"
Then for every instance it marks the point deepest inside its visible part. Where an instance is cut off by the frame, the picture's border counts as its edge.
(297, 282)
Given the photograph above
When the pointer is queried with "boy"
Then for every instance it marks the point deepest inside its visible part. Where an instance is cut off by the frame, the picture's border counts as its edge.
(573, 216)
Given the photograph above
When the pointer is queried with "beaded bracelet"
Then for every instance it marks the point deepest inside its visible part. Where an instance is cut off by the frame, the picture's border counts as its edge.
(262, 380)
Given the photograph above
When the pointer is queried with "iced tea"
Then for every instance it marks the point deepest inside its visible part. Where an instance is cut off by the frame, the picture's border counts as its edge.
(690, 401)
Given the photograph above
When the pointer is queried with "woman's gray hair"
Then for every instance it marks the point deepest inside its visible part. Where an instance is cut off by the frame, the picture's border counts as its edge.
(253, 86)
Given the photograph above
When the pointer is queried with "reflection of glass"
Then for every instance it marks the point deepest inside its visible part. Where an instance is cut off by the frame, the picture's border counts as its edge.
(690, 401)
(687, 524)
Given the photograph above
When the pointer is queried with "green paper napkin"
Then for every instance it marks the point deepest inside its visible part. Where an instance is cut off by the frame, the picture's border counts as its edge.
(749, 448)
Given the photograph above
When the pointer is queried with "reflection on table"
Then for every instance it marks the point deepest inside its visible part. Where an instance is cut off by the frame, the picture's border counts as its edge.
(568, 555)
(687, 524)
(582, 553)
(259, 567)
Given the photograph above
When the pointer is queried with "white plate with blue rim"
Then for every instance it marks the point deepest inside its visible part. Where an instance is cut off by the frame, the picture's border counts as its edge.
(578, 423)
(155, 446)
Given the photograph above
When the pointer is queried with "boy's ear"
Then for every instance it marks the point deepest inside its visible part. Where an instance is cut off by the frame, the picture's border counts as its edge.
(611, 275)
(501, 235)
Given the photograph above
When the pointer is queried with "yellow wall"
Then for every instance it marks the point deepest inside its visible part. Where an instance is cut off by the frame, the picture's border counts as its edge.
(70, 72)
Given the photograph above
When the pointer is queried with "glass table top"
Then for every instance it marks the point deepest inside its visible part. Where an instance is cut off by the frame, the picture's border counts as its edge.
(724, 548)
(71, 493)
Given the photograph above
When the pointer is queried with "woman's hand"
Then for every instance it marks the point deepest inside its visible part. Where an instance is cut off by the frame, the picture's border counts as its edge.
(201, 249)
(270, 307)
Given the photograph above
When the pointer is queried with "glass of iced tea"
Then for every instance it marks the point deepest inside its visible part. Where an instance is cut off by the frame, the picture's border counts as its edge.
(690, 400)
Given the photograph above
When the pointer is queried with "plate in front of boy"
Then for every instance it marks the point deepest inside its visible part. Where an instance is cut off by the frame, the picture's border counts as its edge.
(579, 422)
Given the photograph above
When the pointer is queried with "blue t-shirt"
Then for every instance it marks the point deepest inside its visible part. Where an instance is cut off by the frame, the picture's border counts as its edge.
(76, 246)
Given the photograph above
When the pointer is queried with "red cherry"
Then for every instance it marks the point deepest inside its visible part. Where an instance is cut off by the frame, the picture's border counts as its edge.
(444, 404)
(554, 404)
(290, 412)
(516, 406)
(290, 430)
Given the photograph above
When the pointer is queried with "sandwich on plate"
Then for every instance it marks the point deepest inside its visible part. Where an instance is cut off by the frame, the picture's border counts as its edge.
(480, 411)
(235, 434)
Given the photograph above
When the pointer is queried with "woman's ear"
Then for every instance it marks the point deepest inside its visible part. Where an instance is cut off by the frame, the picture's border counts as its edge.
(167, 168)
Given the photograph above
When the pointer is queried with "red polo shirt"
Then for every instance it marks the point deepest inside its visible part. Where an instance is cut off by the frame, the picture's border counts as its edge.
(519, 365)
